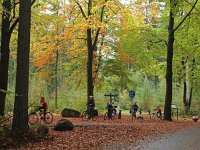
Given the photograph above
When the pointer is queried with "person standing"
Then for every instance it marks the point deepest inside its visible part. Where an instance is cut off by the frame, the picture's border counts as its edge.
(90, 106)
(134, 109)
(110, 110)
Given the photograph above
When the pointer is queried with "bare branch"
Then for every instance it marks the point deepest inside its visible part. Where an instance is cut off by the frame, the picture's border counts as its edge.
(81, 9)
(98, 30)
(186, 16)
(17, 20)
(191, 5)
(86, 1)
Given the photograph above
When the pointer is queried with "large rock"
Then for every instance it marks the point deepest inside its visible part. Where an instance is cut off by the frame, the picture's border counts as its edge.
(63, 125)
(42, 129)
(70, 113)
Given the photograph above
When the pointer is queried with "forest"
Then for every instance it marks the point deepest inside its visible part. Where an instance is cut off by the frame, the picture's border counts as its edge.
(67, 50)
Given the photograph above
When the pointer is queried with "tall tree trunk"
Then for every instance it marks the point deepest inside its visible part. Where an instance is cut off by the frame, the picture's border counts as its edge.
(184, 93)
(6, 32)
(168, 96)
(169, 73)
(190, 98)
(185, 85)
(183, 62)
(191, 89)
(5, 51)
(20, 116)
(90, 48)
(56, 80)
(187, 91)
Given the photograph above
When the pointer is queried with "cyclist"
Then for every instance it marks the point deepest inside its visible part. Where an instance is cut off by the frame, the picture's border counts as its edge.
(90, 106)
(110, 110)
(158, 111)
(134, 108)
(115, 111)
(43, 105)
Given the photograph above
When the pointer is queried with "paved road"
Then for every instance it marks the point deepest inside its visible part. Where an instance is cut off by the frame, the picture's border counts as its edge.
(183, 140)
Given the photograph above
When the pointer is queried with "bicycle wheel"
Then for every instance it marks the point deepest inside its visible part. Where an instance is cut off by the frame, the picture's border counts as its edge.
(48, 118)
(152, 116)
(33, 118)
(133, 115)
(94, 117)
(113, 116)
(85, 116)
(105, 117)
(159, 115)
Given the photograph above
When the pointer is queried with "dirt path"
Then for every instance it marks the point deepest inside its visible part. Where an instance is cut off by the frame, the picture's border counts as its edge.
(183, 140)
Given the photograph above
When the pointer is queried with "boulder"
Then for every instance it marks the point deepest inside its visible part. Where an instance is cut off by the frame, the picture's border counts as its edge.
(42, 129)
(70, 113)
(63, 125)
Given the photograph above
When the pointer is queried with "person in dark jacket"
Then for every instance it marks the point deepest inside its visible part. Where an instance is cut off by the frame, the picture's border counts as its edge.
(90, 106)
(134, 109)
(110, 110)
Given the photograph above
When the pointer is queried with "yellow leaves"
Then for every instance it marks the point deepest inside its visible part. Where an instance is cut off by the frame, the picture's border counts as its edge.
(94, 23)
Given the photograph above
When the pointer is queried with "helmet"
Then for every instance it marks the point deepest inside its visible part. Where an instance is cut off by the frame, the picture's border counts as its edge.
(91, 96)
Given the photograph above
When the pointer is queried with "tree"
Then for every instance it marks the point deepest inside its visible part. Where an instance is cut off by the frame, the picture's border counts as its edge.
(20, 115)
(98, 15)
(6, 31)
(170, 46)
(91, 44)
(9, 22)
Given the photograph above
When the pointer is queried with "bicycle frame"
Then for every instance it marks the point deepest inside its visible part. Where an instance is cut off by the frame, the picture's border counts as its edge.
(38, 115)
(133, 114)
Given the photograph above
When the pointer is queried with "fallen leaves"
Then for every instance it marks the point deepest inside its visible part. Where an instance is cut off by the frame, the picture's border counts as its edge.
(113, 134)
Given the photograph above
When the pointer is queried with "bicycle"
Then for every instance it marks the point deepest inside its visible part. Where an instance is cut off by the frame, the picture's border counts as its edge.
(37, 115)
(133, 114)
(113, 116)
(154, 115)
(86, 115)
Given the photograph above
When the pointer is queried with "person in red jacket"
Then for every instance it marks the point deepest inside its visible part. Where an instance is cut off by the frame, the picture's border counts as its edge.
(43, 105)
(158, 112)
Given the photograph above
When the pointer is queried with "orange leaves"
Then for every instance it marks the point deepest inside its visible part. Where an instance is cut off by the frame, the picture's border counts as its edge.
(42, 58)
(126, 58)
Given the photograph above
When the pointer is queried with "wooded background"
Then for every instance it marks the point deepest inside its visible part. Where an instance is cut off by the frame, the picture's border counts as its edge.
(82, 48)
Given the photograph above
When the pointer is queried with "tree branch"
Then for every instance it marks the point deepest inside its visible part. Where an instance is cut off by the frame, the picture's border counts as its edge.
(98, 30)
(13, 26)
(191, 5)
(17, 20)
(186, 16)
(81, 9)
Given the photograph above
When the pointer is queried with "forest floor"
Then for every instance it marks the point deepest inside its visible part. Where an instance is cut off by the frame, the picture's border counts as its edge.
(118, 134)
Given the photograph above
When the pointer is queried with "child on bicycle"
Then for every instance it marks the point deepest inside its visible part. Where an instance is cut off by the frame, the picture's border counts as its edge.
(43, 105)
